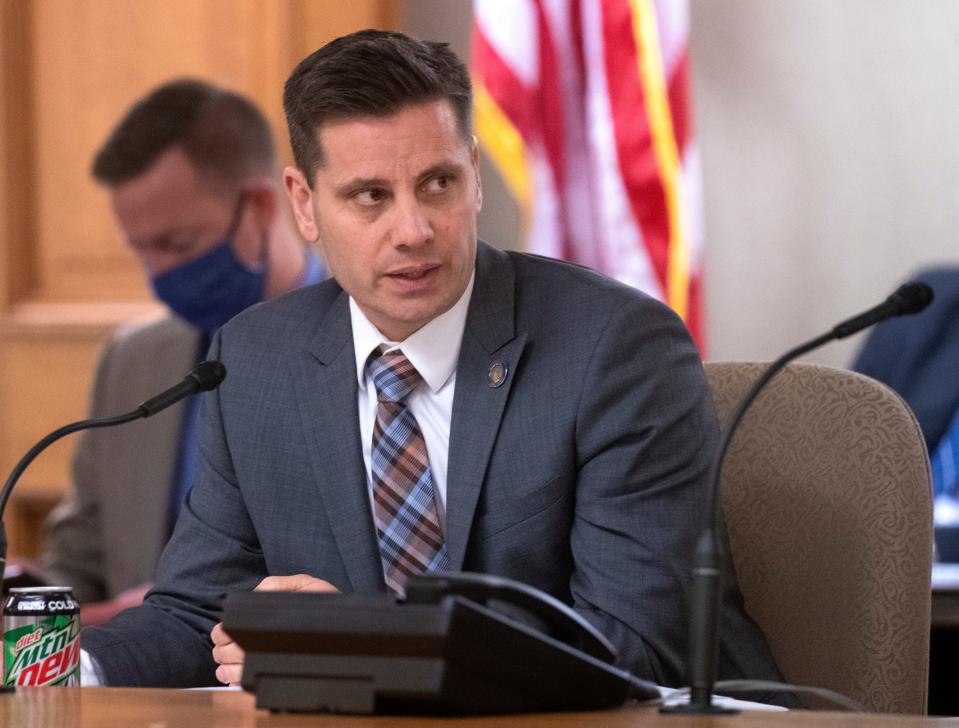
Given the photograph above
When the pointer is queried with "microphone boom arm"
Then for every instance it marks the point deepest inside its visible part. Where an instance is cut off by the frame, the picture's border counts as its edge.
(206, 376)
(52, 438)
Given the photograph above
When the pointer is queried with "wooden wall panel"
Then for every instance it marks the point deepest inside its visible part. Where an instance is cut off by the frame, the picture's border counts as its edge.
(98, 57)
(7, 77)
(17, 268)
(68, 70)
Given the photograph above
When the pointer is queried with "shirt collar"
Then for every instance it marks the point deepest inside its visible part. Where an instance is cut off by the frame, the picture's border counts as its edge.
(428, 349)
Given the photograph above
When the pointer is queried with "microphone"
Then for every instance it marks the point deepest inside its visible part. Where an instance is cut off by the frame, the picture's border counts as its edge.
(908, 299)
(206, 376)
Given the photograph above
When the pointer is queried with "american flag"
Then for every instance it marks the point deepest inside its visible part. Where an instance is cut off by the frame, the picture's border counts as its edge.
(583, 105)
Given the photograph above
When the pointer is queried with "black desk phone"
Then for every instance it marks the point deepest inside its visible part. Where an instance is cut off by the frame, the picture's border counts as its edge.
(457, 644)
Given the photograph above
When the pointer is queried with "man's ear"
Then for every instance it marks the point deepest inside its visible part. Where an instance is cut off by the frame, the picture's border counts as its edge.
(300, 194)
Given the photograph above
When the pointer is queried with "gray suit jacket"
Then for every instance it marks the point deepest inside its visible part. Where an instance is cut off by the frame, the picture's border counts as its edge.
(107, 534)
(584, 474)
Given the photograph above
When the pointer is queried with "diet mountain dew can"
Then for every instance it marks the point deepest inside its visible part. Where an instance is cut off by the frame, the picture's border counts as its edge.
(41, 637)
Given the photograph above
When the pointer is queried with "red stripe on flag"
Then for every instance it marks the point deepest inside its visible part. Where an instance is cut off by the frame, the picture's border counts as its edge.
(579, 51)
(680, 108)
(678, 91)
(513, 97)
(634, 143)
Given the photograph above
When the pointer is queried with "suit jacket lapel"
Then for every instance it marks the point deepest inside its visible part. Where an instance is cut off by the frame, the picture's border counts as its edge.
(327, 401)
(489, 339)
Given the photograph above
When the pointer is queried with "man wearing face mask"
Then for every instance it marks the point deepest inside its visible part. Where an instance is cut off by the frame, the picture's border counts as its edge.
(192, 178)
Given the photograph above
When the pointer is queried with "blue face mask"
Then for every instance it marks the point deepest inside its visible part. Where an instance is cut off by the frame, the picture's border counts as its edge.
(210, 290)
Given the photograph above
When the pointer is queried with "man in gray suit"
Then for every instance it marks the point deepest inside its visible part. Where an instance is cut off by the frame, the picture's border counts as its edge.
(554, 426)
(193, 181)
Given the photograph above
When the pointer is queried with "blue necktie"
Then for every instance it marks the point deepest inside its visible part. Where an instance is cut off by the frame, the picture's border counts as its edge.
(945, 461)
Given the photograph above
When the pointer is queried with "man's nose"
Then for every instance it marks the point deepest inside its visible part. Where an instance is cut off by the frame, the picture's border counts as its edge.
(411, 227)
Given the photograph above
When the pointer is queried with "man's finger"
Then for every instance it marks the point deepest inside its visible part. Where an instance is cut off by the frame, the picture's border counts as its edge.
(229, 674)
(295, 582)
(231, 654)
(219, 635)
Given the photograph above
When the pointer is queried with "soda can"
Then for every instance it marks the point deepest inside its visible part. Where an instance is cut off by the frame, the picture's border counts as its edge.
(41, 637)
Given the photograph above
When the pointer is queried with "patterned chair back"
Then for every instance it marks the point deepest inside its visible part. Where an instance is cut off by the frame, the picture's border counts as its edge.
(827, 499)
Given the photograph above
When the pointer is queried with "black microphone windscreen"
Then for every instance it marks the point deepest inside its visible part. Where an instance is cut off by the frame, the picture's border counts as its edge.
(208, 375)
(912, 298)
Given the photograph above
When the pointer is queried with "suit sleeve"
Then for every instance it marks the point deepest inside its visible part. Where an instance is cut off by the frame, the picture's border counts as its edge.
(213, 551)
(646, 436)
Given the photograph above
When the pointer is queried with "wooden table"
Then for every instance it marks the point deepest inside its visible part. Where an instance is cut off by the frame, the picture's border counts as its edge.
(133, 708)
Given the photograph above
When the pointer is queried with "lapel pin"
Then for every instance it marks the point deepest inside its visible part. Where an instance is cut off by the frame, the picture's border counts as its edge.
(497, 373)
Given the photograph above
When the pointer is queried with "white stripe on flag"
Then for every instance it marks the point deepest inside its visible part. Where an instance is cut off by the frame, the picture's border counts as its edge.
(545, 234)
(617, 229)
(509, 26)
(672, 24)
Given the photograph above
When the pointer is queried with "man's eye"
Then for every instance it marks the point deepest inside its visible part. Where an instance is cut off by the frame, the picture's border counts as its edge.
(439, 184)
(370, 197)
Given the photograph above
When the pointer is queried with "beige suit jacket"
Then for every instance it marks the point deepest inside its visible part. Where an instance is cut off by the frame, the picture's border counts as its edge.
(107, 534)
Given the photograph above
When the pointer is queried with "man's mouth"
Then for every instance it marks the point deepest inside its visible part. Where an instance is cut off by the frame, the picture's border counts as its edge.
(413, 274)
(414, 280)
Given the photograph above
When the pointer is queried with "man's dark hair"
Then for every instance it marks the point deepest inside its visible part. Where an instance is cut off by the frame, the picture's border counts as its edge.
(222, 133)
(370, 73)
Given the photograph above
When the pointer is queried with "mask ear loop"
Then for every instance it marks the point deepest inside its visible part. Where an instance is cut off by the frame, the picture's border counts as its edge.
(264, 263)
(237, 216)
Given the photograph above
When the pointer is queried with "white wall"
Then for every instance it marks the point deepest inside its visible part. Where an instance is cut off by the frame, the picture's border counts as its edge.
(831, 156)
(830, 138)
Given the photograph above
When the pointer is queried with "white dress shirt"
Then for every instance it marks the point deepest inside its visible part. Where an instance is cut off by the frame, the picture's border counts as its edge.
(434, 351)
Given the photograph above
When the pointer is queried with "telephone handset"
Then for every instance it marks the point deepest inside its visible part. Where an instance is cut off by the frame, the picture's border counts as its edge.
(528, 605)
(457, 644)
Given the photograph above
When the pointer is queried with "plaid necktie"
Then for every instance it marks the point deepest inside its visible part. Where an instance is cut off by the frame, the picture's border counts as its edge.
(945, 461)
(411, 541)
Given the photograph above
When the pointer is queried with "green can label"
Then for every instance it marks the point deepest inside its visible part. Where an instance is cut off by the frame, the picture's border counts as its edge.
(41, 638)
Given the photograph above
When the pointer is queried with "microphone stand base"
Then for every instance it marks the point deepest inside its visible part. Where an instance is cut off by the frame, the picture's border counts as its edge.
(697, 709)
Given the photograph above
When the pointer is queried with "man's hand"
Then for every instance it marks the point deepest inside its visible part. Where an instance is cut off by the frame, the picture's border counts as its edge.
(228, 653)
